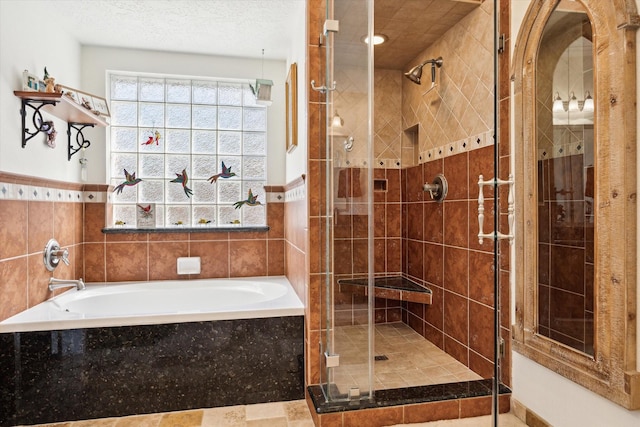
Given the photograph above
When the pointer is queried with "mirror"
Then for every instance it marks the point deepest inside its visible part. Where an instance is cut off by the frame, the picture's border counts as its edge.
(575, 197)
(565, 185)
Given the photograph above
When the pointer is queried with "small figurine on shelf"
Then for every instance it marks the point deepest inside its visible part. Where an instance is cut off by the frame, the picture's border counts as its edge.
(86, 103)
(49, 128)
(49, 81)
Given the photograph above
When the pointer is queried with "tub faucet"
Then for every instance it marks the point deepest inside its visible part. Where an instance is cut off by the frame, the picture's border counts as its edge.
(65, 283)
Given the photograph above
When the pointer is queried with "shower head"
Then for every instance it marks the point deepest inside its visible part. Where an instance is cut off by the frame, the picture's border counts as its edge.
(415, 74)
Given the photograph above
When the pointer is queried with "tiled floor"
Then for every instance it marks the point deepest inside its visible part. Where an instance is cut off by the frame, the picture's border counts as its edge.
(412, 360)
(505, 420)
(279, 414)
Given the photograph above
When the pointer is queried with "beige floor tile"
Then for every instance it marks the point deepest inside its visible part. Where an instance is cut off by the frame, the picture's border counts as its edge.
(265, 410)
(152, 420)
(297, 410)
(103, 422)
(52, 425)
(227, 416)
(268, 422)
(182, 419)
(302, 423)
(505, 420)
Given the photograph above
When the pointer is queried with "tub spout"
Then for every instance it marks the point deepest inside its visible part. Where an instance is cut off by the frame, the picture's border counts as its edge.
(65, 283)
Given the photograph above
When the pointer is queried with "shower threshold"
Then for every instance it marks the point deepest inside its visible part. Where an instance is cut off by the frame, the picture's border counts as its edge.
(396, 288)
(406, 395)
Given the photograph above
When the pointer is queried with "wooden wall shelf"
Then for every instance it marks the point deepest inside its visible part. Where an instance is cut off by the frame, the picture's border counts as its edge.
(62, 107)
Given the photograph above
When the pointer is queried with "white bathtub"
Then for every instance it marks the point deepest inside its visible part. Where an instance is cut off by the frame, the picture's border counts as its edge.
(173, 301)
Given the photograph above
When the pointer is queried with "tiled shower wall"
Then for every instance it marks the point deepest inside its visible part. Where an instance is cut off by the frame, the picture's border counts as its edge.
(33, 210)
(441, 250)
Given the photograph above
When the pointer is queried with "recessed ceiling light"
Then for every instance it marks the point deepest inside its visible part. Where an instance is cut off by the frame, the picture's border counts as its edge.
(377, 39)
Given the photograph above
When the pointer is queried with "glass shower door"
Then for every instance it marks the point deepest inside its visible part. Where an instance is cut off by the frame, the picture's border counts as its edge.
(348, 352)
(453, 339)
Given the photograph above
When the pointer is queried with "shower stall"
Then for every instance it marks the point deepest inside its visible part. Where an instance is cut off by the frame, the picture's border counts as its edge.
(406, 298)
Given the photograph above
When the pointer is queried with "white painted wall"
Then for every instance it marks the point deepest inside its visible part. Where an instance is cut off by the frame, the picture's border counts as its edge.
(29, 41)
(296, 161)
(96, 61)
(558, 400)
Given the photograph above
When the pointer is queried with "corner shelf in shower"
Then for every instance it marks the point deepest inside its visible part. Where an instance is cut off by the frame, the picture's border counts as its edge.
(396, 288)
(62, 107)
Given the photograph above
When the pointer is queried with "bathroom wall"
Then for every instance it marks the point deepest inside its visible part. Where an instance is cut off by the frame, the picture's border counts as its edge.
(32, 211)
(28, 40)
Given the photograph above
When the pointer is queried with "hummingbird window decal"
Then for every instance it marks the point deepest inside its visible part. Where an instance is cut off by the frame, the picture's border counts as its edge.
(226, 173)
(251, 200)
(182, 178)
(130, 181)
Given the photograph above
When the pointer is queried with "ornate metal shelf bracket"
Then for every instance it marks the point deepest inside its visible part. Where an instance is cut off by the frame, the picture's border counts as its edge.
(80, 139)
(36, 118)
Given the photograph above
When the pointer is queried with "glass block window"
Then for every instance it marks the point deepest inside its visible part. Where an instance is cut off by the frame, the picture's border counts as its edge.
(194, 148)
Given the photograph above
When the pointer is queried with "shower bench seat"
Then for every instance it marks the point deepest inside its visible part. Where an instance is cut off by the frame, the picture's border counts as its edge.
(396, 288)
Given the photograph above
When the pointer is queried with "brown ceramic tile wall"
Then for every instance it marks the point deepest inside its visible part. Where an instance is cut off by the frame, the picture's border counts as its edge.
(152, 256)
(442, 252)
(350, 244)
(25, 227)
(565, 251)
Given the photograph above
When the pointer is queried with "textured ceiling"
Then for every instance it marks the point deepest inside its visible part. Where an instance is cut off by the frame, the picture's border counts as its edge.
(215, 27)
(410, 25)
(244, 27)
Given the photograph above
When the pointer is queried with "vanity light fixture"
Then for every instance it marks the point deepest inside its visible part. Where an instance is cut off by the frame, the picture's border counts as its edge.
(574, 105)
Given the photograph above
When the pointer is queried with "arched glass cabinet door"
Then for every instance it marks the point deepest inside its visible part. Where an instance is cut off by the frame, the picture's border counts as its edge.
(565, 185)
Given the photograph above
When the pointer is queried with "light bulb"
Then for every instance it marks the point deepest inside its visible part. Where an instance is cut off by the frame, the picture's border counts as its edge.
(573, 103)
(557, 104)
(588, 103)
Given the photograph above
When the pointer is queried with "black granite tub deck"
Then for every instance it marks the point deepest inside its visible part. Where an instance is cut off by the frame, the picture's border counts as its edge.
(396, 288)
(405, 395)
(77, 374)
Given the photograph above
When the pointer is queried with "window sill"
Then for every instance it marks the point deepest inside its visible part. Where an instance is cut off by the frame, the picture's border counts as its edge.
(229, 229)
